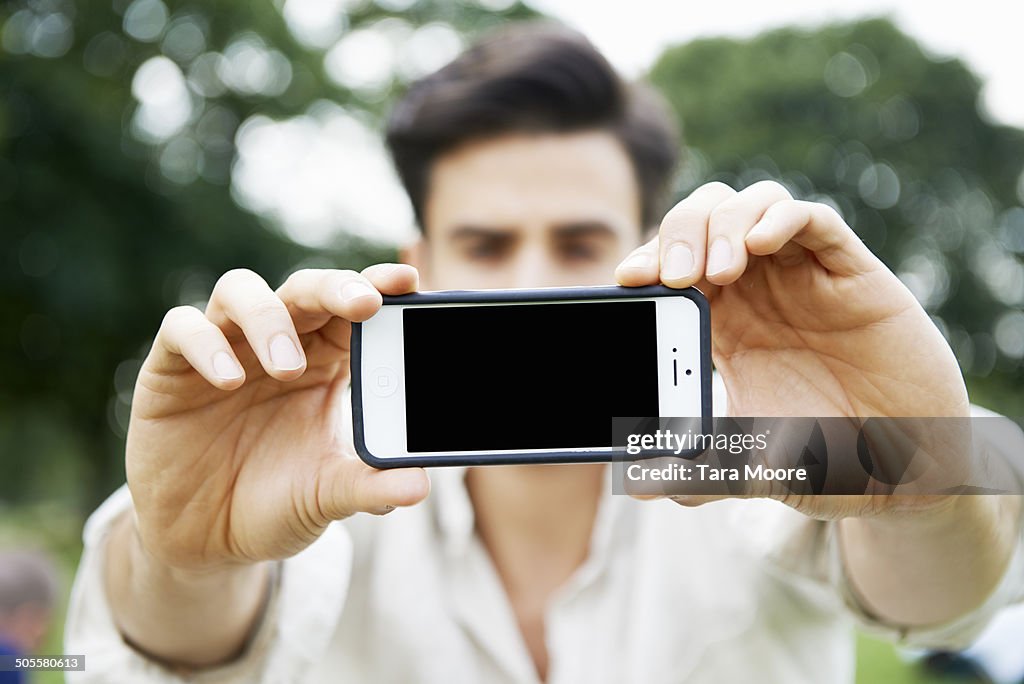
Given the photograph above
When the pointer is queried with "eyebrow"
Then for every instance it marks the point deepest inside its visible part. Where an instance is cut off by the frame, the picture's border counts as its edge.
(584, 229)
(574, 230)
(472, 232)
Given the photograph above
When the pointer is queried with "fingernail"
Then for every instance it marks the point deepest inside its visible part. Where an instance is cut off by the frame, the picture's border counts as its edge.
(383, 510)
(356, 289)
(678, 262)
(284, 354)
(762, 227)
(225, 367)
(719, 257)
(638, 261)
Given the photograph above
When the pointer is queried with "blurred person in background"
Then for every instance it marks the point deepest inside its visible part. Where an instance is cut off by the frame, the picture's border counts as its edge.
(28, 590)
(530, 163)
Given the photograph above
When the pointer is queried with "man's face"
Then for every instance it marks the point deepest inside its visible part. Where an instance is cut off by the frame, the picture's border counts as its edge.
(542, 210)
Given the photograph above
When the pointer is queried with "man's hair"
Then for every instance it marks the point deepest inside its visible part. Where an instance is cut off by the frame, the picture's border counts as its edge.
(532, 77)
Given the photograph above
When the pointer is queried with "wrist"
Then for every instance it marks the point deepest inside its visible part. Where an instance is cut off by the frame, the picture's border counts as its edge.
(927, 566)
(151, 569)
(192, 617)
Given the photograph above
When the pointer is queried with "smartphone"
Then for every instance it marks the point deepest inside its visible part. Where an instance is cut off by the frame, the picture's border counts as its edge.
(524, 376)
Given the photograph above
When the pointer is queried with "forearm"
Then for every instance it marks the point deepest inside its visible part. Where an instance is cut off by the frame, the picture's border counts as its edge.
(931, 567)
(186, 618)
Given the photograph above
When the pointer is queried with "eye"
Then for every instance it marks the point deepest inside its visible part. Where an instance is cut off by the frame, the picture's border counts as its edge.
(487, 249)
(579, 251)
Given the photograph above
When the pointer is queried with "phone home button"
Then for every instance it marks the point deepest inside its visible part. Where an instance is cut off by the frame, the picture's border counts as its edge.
(383, 381)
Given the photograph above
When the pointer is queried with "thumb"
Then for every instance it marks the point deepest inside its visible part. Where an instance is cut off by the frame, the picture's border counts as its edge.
(346, 486)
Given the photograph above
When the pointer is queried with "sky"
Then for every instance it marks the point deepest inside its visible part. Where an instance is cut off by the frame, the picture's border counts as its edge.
(984, 33)
(292, 170)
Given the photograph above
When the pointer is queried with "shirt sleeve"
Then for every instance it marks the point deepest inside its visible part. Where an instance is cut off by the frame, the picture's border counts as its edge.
(1001, 438)
(301, 615)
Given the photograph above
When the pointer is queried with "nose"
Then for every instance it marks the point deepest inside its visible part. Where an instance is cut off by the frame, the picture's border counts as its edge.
(535, 267)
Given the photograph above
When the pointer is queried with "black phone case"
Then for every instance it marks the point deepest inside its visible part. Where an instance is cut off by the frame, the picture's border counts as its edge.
(539, 295)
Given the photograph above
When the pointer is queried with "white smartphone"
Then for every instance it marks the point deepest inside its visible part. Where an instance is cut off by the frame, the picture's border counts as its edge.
(524, 376)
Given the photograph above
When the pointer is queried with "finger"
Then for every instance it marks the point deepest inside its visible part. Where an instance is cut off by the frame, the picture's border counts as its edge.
(242, 299)
(315, 295)
(816, 227)
(348, 486)
(186, 334)
(645, 497)
(684, 233)
(729, 224)
(393, 279)
(694, 500)
(640, 267)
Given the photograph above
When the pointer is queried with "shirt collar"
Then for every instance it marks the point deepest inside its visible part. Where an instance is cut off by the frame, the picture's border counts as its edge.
(453, 511)
(455, 519)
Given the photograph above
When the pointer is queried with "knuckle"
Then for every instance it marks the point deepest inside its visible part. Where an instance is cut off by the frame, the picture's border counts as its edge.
(829, 213)
(716, 188)
(194, 336)
(236, 277)
(683, 218)
(264, 309)
(784, 209)
(337, 279)
(347, 274)
(344, 278)
(723, 215)
(299, 282)
(386, 267)
(373, 269)
(178, 316)
(772, 187)
(302, 275)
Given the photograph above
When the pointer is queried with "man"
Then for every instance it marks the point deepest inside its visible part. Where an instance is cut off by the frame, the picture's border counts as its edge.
(529, 163)
(28, 590)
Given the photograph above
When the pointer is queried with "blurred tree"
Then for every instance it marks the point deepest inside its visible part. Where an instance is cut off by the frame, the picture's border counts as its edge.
(119, 189)
(859, 116)
(118, 126)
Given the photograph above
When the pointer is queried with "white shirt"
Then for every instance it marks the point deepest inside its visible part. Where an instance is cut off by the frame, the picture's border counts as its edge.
(738, 590)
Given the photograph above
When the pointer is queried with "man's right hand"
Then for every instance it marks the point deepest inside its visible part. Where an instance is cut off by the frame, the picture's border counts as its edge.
(235, 451)
(236, 455)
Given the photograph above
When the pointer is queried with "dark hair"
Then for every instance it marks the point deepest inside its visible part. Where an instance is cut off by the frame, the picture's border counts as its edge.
(526, 77)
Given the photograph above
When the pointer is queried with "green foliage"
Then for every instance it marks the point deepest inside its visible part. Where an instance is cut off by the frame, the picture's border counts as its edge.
(857, 115)
(101, 235)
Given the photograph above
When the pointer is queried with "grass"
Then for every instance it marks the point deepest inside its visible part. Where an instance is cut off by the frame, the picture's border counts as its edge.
(878, 662)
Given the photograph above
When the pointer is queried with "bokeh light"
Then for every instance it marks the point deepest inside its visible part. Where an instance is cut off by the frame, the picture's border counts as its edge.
(318, 175)
(144, 20)
(165, 105)
(316, 23)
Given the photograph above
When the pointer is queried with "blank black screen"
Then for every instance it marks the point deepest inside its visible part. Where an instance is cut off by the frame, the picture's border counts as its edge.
(536, 376)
